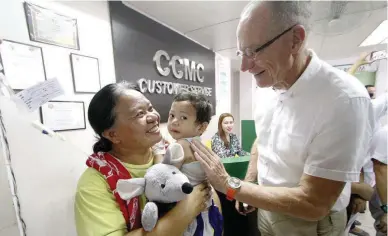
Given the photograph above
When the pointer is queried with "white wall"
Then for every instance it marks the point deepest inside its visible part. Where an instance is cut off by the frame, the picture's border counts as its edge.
(46, 176)
(94, 41)
(247, 98)
(247, 88)
(236, 102)
(223, 84)
(8, 221)
(223, 94)
(243, 98)
(381, 78)
(46, 171)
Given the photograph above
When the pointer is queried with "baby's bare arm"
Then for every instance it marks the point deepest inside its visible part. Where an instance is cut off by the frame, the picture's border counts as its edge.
(189, 154)
(158, 158)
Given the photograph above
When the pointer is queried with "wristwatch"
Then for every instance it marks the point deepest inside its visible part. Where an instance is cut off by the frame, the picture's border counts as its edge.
(384, 208)
(233, 185)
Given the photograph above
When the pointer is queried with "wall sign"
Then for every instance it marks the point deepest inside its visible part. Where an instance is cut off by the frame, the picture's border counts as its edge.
(181, 69)
(161, 61)
(191, 69)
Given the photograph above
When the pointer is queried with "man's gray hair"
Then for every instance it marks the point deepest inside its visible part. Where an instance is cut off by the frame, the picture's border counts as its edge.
(284, 13)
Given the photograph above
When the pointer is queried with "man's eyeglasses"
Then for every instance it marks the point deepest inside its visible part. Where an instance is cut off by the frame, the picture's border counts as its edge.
(250, 53)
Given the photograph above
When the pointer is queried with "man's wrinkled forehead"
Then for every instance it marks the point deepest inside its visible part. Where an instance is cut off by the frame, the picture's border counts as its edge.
(253, 27)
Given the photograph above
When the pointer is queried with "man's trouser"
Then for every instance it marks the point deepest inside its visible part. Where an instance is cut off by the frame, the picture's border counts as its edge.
(276, 224)
(376, 211)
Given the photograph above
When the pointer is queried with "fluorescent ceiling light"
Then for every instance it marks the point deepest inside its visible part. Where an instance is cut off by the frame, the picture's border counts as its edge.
(379, 35)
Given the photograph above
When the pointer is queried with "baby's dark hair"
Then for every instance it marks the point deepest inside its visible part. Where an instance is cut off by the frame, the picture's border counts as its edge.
(203, 107)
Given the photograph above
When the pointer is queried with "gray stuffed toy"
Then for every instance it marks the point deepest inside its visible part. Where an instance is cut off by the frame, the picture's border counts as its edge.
(163, 185)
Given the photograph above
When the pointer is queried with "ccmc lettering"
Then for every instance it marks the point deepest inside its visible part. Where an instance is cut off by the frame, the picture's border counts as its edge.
(164, 87)
(179, 67)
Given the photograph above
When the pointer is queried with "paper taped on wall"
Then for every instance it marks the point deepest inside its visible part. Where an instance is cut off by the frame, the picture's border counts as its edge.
(39, 94)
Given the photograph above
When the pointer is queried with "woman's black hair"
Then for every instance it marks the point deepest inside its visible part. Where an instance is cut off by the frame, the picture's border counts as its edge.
(203, 107)
(101, 112)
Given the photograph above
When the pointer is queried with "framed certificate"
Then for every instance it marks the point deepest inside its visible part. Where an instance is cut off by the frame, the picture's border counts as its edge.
(47, 26)
(86, 73)
(23, 64)
(63, 115)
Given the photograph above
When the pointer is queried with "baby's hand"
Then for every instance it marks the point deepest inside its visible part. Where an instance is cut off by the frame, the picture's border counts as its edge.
(158, 158)
(159, 151)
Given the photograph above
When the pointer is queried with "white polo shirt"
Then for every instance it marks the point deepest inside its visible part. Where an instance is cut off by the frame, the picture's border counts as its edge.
(380, 105)
(379, 145)
(321, 126)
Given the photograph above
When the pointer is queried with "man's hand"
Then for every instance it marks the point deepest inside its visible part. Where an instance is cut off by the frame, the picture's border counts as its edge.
(382, 226)
(358, 205)
(251, 176)
(244, 208)
(212, 165)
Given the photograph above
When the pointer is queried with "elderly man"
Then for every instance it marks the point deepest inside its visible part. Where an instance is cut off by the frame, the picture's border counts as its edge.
(311, 138)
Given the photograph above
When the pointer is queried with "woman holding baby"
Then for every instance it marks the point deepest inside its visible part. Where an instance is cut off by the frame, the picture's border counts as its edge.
(128, 127)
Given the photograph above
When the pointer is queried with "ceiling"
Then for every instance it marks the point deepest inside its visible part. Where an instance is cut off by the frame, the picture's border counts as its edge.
(213, 24)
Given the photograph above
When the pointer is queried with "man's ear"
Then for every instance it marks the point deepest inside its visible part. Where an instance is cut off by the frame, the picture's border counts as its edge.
(111, 135)
(174, 154)
(130, 188)
(299, 38)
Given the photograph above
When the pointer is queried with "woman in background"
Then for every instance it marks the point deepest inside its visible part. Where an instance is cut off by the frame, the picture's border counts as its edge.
(224, 142)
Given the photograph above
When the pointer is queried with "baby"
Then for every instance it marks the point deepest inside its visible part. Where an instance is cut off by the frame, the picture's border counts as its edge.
(189, 117)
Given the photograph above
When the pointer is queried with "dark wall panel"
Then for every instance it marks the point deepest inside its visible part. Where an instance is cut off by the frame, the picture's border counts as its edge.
(136, 39)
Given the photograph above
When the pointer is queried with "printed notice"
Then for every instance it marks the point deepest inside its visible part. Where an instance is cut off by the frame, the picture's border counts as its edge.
(39, 94)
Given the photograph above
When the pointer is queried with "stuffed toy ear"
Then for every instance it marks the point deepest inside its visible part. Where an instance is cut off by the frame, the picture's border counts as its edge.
(174, 154)
(130, 188)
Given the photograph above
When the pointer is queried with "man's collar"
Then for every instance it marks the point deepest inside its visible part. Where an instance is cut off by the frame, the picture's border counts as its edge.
(302, 82)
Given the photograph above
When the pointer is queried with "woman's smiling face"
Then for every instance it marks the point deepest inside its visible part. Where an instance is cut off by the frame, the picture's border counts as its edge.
(227, 124)
(137, 122)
